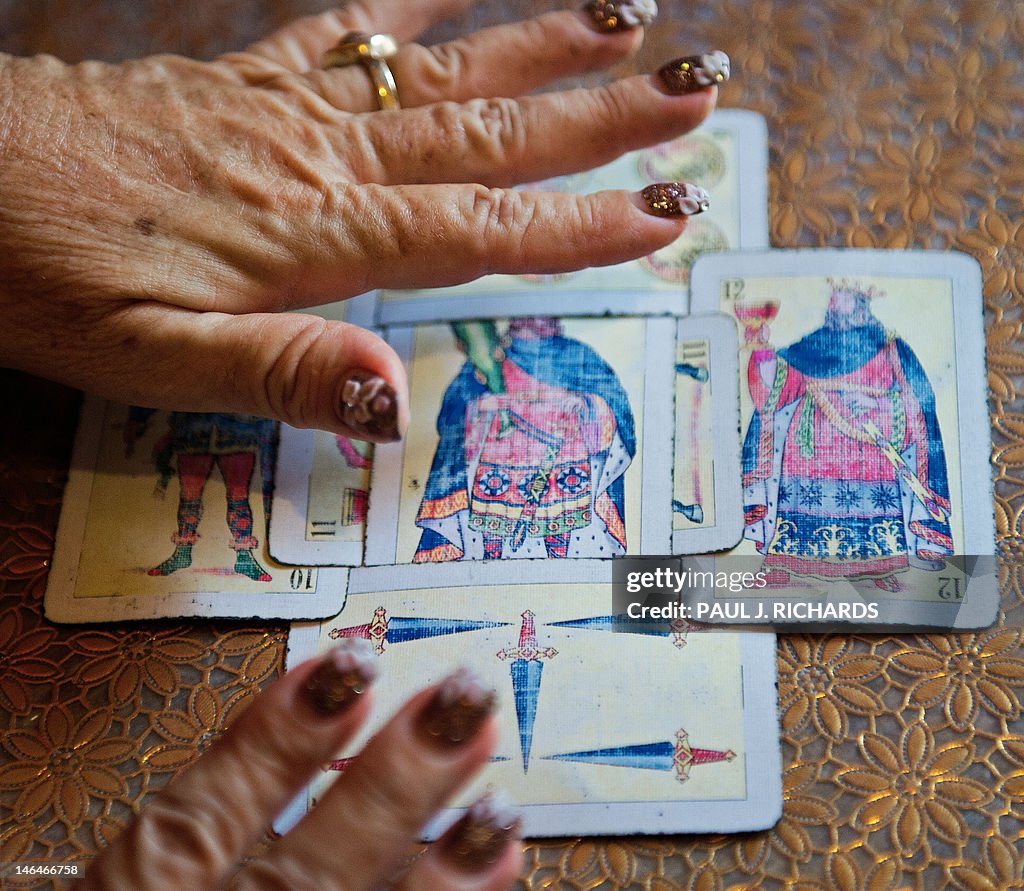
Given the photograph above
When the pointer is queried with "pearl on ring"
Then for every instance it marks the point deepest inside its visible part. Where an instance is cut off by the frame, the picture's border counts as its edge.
(372, 52)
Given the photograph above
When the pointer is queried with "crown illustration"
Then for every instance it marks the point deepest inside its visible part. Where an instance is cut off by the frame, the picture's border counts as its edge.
(855, 288)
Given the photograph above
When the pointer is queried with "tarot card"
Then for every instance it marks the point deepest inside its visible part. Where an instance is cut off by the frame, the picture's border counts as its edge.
(535, 439)
(162, 517)
(707, 505)
(602, 732)
(321, 491)
(865, 430)
(727, 155)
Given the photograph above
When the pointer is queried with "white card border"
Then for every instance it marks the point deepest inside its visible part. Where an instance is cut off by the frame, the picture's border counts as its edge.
(61, 606)
(752, 144)
(475, 573)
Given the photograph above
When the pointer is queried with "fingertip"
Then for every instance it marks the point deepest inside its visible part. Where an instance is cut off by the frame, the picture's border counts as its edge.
(619, 42)
(330, 696)
(336, 682)
(699, 74)
(341, 378)
(480, 850)
(369, 407)
(619, 16)
(672, 200)
(450, 726)
(435, 873)
(479, 839)
(638, 228)
(370, 398)
(461, 709)
(697, 103)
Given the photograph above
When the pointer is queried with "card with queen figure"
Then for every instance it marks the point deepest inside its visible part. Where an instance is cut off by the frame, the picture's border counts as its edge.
(865, 434)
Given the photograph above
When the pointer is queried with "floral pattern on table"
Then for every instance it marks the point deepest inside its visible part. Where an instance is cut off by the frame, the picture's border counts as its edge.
(892, 125)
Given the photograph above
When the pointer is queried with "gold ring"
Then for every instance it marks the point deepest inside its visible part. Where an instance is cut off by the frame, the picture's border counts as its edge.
(372, 52)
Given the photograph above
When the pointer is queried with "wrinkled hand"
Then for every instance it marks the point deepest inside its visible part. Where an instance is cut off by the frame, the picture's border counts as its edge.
(157, 216)
(363, 830)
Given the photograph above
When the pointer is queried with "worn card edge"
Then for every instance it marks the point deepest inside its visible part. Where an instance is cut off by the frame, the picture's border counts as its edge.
(62, 607)
(287, 542)
(721, 333)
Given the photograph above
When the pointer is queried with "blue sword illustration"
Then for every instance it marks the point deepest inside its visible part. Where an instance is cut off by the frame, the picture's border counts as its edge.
(526, 668)
(677, 629)
(676, 755)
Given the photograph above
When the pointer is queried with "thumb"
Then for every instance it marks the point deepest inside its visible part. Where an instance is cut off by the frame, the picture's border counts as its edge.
(300, 369)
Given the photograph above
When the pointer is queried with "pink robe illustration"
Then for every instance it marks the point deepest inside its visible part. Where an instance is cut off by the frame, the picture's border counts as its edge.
(844, 469)
(535, 437)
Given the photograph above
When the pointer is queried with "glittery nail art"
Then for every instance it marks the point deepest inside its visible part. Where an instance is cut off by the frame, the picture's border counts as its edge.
(692, 73)
(343, 675)
(457, 710)
(480, 836)
(675, 199)
(621, 15)
(369, 406)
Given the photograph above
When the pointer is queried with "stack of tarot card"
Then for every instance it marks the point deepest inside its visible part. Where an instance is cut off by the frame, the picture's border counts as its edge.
(817, 417)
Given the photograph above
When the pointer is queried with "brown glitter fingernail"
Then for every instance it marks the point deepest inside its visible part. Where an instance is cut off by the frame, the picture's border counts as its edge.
(675, 199)
(692, 73)
(479, 838)
(343, 675)
(609, 16)
(457, 710)
(369, 406)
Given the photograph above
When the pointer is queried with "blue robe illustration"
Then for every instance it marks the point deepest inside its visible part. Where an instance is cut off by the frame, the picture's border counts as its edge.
(536, 432)
(844, 469)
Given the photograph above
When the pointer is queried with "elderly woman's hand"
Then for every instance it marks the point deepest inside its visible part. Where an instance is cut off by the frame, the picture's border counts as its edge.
(365, 828)
(156, 216)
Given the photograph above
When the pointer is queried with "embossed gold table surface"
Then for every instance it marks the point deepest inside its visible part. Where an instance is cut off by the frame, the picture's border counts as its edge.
(892, 124)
